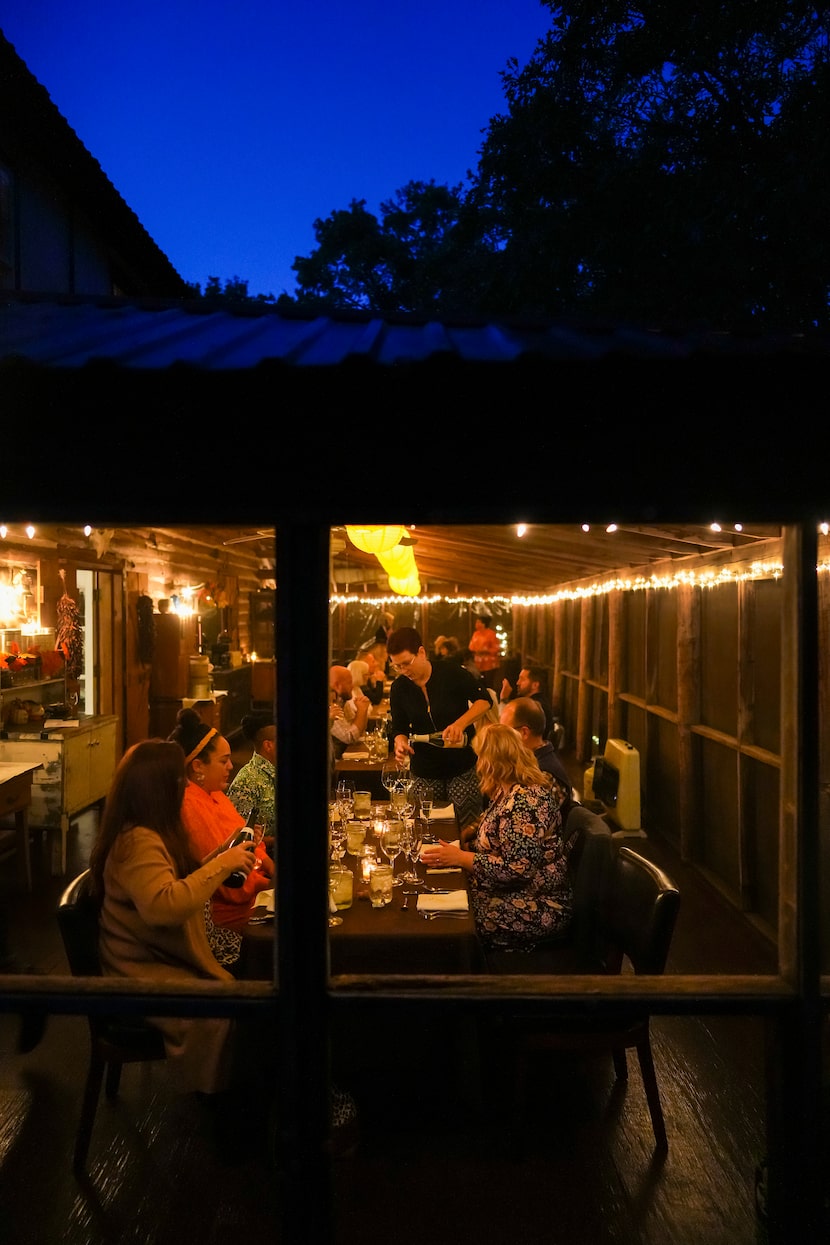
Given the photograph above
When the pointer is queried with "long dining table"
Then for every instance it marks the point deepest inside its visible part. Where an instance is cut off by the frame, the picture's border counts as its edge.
(392, 939)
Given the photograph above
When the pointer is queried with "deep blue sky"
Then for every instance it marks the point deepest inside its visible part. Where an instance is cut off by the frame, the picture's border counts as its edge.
(229, 127)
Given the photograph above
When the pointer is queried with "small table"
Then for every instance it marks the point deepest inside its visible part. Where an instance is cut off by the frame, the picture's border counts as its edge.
(16, 797)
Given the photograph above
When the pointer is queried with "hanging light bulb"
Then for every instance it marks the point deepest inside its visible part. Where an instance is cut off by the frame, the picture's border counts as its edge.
(375, 539)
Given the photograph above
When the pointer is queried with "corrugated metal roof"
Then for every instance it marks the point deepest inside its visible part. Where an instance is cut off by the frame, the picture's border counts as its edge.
(141, 334)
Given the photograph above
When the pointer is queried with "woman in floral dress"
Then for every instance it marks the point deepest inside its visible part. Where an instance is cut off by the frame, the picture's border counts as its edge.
(519, 883)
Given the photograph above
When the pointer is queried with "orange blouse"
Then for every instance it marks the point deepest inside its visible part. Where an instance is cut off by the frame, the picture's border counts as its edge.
(209, 819)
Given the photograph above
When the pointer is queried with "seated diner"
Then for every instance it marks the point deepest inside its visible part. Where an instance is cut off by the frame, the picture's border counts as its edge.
(518, 877)
(211, 821)
(153, 891)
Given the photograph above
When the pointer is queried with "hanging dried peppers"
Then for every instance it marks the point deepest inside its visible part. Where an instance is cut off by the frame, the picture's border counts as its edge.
(69, 636)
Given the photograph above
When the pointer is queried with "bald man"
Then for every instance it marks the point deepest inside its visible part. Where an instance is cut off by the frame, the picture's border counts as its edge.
(350, 709)
(526, 717)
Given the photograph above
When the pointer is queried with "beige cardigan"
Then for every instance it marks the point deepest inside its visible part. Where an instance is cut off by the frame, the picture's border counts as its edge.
(152, 926)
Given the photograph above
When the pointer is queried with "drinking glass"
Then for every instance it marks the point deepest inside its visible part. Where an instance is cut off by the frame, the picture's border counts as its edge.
(411, 844)
(426, 813)
(380, 886)
(362, 804)
(390, 842)
(345, 798)
(355, 837)
(337, 838)
(397, 799)
(389, 775)
(333, 918)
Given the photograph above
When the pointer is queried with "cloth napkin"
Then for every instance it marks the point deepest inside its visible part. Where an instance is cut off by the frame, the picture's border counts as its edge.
(265, 899)
(456, 901)
(447, 868)
(355, 754)
(447, 813)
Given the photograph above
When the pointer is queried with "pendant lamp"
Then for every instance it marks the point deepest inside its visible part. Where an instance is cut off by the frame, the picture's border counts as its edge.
(375, 539)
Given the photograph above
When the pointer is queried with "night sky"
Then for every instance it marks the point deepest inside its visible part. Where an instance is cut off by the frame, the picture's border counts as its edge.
(228, 128)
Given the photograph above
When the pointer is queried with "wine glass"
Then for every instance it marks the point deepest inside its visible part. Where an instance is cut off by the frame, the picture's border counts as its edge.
(389, 775)
(411, 843)
(334, 919)
(426, 813)
(398, 798)
(345, 799)
(390, 842)
(337, 836)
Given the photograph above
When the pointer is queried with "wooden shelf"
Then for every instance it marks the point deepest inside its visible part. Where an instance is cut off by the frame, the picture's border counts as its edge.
(21, 687)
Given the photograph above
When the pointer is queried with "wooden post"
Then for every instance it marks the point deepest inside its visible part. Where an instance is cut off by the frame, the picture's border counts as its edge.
(583, 708)
(556, 691)
(688, 712)
(616, 632)
(794, 1108)
(744, 731)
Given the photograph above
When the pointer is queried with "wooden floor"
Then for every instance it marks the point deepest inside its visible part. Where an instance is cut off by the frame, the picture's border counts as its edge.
(578, 1168)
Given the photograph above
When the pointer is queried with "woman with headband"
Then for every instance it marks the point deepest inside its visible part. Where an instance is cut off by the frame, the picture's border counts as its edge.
(211, 821)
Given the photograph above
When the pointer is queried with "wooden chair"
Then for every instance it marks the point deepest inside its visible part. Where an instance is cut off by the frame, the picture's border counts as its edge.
(114, 1041)
(635, 921)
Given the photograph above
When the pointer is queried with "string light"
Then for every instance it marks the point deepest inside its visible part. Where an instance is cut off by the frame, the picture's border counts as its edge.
(712, 578)
(521, 528)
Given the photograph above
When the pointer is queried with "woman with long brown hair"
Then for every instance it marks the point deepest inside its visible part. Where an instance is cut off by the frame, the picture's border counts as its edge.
(153, 894)
(518, 876)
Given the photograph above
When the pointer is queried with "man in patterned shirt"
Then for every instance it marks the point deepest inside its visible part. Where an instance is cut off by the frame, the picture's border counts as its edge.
(255, 784)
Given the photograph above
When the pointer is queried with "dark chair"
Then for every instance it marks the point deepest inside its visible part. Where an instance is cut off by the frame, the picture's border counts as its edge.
(635, 922)
(589, 848)
(114, 1041)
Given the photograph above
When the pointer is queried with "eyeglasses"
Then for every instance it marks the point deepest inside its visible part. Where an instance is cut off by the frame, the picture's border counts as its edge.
(403, 666)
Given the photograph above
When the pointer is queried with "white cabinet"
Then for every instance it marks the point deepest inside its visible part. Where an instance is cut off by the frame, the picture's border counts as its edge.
(77, 764)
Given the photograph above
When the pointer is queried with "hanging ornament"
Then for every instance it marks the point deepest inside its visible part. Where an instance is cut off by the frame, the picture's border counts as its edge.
(69, 633)
(375, 539)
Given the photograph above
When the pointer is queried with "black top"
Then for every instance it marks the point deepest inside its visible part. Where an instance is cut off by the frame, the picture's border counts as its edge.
(450, 690)
(549, 762)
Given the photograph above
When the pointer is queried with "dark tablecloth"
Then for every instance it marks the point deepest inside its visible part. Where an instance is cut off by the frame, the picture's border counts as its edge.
(383, 940)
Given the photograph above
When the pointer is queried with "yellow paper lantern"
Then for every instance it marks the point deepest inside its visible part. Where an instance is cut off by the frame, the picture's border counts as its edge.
(409, 587)
(375, 539)
(399, 561)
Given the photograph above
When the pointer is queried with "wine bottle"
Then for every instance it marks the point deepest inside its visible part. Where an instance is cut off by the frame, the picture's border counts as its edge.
(437, 740)
(246, 835)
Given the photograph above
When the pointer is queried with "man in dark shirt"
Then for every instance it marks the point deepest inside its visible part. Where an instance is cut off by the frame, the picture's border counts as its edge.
(525, 716)
(530, 682)
(429, 698)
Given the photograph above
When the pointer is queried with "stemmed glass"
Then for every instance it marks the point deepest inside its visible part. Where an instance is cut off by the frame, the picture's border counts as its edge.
(345, 799)
(398, 798)
(426, 812)
(334, 919)
(337, 836)
(411, 843)
(389, 775)
(391, 843)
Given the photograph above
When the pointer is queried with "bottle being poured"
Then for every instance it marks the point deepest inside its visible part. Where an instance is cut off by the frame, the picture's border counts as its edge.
(436, 740)
(246, 835)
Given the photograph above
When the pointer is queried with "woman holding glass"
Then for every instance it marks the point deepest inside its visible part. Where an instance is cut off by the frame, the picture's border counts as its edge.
(519, 885)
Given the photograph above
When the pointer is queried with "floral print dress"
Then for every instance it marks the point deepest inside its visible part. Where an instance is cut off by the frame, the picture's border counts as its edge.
(520, 887)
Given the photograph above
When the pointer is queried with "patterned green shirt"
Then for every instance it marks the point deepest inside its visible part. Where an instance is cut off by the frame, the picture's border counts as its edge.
(255, 784)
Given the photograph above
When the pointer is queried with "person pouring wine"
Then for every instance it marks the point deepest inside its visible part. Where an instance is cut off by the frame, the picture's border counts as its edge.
(440, 700)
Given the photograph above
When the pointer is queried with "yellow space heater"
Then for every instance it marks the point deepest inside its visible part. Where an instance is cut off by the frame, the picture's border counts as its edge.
(616, 783)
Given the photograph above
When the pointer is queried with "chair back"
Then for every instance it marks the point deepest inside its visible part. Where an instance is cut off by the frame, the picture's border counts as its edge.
(590, 848)
(78, 912)
(638, 913)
